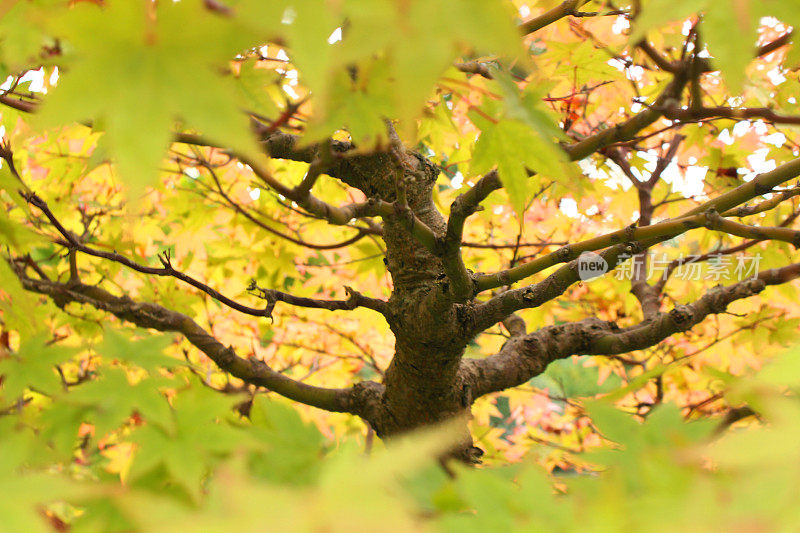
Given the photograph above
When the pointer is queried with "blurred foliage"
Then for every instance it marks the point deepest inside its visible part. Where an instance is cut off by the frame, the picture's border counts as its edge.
(196, 464)
(108, 428)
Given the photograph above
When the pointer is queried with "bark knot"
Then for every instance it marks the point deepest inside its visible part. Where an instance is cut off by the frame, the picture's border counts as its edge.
(529, 294)
(681, 316)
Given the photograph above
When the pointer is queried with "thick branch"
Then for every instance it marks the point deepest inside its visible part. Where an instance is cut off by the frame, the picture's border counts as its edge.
(524, 357)
(646, 294)
(354, 300)
(499, 307)
(733, 113)
(463, 206)
(771, 46)
(569, 7)
(650, 235)
(766, 205)
(706, 65)
(658, 232)
(148, 315)
(703, 65)
(278, 145)
(656, 57)
(475, 67)
(760, 185)
(18, 104)
(674, 264)
(632, 126)
(715, 222)
(335, 215)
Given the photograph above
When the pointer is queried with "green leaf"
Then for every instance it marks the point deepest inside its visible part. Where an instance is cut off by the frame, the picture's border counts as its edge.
(360, 107)
(198, 437)
(24, 491)
(253, 85)
(519, 141)
(19, 305)
(415, 42)
(612, 423)
(20, 39)
(514, 147)
(112, 399)
(293, 447)
(14, 234)
(656, 13)
(146, 352)
(731, 54)
(576, 380)
(33, 367)
(135, 82)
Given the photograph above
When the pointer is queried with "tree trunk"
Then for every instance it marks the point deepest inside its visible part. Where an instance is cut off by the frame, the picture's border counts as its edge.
(422, 385)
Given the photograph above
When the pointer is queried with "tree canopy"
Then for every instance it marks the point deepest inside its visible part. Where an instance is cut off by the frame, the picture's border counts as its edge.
(303, 265)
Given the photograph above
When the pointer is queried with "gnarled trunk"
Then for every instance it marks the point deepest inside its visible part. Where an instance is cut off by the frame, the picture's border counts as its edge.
(422, 385)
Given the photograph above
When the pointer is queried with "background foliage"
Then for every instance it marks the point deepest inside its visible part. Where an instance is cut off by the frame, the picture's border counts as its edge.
(104, 427)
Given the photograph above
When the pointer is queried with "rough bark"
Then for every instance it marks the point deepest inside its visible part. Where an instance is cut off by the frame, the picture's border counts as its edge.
(422, 385)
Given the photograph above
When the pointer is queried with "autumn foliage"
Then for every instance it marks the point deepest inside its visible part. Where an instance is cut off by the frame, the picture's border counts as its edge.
(374, 265)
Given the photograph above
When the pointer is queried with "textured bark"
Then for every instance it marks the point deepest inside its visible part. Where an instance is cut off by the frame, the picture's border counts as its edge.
(526, 356)
(422, 385)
